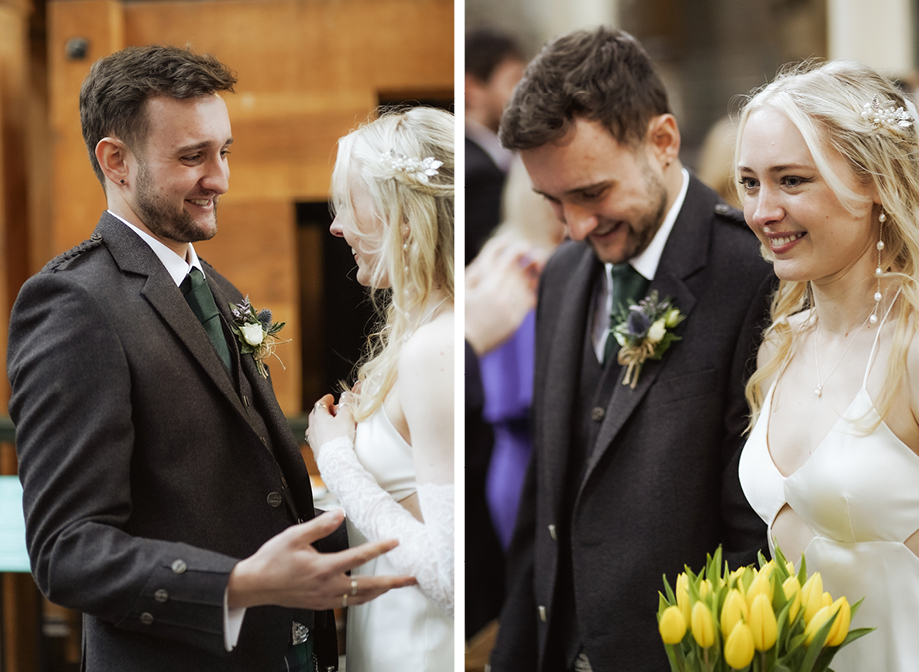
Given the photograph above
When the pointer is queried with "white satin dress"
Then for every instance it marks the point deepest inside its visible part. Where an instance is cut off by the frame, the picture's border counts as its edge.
(859, 494)
(403, 630)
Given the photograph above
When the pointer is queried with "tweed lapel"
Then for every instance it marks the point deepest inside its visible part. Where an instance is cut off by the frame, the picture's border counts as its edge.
(133, 256)
(564, 359)
(685, 254)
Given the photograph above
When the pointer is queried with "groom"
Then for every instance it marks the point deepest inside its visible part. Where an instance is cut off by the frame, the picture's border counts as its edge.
(627, 482)
(165, 496)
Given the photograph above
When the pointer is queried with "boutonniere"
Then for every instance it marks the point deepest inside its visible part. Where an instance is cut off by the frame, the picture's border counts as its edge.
(645, 332)
(256, 333)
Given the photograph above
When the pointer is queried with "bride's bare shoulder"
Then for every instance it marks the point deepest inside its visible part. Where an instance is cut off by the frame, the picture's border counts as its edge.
(430, 344)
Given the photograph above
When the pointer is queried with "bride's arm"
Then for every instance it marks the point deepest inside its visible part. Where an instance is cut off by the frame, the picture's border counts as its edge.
(425, 385)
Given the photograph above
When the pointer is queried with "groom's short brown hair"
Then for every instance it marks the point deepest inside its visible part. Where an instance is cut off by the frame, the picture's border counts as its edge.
(599, 75)
(114, 93)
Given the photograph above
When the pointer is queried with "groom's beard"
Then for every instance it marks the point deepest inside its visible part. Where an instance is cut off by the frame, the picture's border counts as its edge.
(165, 221)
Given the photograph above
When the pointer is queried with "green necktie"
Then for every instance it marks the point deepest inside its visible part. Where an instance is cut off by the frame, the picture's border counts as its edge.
(629, 287)
(201, 301)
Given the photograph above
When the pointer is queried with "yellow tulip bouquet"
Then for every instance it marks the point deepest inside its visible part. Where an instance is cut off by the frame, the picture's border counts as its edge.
(766, 619)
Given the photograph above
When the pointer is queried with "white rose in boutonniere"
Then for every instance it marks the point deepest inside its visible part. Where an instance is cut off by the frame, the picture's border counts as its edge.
(256, 333)
(253, 334)
(657, 331)
(644, 333)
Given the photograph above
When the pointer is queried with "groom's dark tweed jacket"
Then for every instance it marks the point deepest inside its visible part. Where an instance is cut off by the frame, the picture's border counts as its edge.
(148, 470)
(660, 486)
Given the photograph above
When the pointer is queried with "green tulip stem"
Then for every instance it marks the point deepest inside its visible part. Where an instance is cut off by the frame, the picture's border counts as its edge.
(678, 656)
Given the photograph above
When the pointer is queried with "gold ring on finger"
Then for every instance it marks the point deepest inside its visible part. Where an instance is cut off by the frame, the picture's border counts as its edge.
(344, 601)
(353, 587)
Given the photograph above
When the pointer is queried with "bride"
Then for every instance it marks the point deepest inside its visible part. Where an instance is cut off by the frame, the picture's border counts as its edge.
(827, 166)
(385, 450)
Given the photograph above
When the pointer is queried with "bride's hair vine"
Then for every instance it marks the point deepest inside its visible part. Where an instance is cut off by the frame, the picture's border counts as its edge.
(885, 114)
(417, 169)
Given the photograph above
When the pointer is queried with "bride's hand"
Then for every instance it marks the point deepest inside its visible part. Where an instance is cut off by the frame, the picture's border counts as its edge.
(329, 421)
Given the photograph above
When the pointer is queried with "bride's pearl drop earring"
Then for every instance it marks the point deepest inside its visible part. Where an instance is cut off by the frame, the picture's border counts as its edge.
(873, 318)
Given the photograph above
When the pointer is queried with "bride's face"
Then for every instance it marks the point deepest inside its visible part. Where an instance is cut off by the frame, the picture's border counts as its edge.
(362, 229)
(795, 214)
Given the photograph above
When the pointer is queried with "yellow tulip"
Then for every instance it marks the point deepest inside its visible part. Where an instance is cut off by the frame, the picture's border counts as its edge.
(827, 599)
(738, 648)
(840, 627)
(761, 585)
(672, 626)
(703, 626)
(768, 568)
(812, 596)
(705, 587)
(735, 580)
(682, 597)
(792, 589)
(762, 623)
(734, 610)
(823, 614)
(790, 567)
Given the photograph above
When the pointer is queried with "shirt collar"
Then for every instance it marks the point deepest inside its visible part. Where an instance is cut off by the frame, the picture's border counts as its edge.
(176, 266)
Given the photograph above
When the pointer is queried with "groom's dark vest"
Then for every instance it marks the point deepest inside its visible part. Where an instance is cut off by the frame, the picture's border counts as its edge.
(596, 383)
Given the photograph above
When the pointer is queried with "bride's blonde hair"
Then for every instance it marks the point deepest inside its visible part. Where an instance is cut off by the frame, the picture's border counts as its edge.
(826, 103)
(393, 161)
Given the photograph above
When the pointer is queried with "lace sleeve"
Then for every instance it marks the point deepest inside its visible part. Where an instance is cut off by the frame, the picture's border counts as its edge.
(425, 549)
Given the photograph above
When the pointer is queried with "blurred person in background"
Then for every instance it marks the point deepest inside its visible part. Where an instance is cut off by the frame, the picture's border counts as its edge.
(494, 65)
(500, 292)
(512, 258)
(716, 160)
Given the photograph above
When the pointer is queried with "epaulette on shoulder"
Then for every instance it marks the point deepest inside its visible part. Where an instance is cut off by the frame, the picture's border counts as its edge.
(733, 215)
(60, 262)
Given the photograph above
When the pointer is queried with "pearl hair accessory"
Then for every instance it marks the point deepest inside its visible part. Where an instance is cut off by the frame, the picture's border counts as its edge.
(883, 114)
(419, 169)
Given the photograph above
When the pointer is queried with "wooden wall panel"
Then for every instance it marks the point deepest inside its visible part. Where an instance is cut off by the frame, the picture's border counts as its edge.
(13, 153)
(78, 198)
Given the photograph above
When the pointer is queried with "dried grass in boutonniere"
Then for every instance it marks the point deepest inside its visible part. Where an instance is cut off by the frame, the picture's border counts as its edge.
(256, 333)
(644, 332)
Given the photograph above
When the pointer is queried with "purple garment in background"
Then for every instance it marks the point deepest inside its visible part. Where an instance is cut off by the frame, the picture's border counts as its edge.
(507, 378)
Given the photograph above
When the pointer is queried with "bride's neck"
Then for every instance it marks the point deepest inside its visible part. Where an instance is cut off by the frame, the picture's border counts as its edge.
(437, 301)
(840, 310)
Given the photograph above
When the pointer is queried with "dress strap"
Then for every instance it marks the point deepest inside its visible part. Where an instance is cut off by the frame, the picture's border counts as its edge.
(877, 338)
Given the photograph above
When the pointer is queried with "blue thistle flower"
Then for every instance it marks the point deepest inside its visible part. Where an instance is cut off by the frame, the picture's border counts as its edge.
(264, 316)
(638, 323)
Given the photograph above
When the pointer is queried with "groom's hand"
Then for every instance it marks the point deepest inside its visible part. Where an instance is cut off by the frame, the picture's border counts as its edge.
(287, 571)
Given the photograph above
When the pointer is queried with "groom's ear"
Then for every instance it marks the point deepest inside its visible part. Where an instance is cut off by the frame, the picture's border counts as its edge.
(115, 160)
(664, 139)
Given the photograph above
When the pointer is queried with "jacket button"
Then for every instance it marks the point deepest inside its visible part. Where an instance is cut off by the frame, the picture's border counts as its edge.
(275, 499)
(722, 208)
(542, 613)
(597, 414)
(161, 595)
(146, 618)
(179, 567)
(552, 533)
